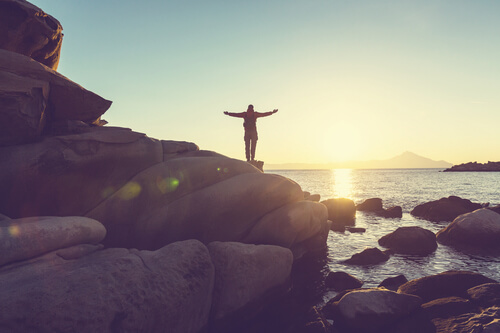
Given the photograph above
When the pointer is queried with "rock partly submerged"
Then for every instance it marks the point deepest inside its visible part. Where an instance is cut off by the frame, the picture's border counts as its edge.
(478, 230)
(444, 209)
(410, 240)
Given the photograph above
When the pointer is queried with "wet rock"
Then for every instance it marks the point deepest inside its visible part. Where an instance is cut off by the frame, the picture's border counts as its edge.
(67, 100)
(410, 240)
(26, 29)
(485, 295)
(168, 290)
(21, 239)
(447, 307)
(483, 322)
(444, 209)
(340, 281)
(318, 323)
(337, 226)
(479, 230)
(23, 102)
(246, 275)
(392, 212)
(495, 209)
(341, 210)
(393, 283)
(355, 230)
(374, 205)
(446, 284)
(370, 205)
(370, 256)
(372, 310)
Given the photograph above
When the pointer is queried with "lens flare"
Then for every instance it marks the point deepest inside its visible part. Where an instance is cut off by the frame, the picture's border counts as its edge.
(130, 191)
(14, 231)
(167, 185)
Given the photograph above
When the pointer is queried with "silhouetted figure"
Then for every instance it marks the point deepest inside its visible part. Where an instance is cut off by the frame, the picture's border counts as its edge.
(250, 125)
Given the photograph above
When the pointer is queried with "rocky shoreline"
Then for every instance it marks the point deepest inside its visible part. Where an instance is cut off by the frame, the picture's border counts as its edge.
(475, 167)
(103, 229)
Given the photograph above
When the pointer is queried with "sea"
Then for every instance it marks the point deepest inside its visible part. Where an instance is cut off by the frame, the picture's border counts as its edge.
(406, 188)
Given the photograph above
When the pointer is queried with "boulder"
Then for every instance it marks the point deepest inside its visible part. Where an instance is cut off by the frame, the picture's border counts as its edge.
(369, 256)
(174, 148)
(485, 295)
(21, 239)
(340, 281)
(341, 210)
(374, 205)
(224, 211)
(23, 104)
(26, 29)
(444, 209)
(112, 290)
(484, 322)
(393, 283)
(371, 310)
(66, 100)
(337, 226)
(495, 209)
(105, 159)
(446, 284)
(370, 205)
(410, 240)
(313, 197)
(479, 230)
(447, 307)
(392, 212)
(289, 224)
(247, 276)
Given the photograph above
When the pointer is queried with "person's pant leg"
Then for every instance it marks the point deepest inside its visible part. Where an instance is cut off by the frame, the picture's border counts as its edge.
(247, 139)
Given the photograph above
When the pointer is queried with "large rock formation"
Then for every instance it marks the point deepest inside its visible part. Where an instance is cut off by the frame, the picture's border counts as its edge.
(479, 230)
(410, 240)
(112, 290)
(26, 29)
(444, 209)
(33, 236)
(67, 99)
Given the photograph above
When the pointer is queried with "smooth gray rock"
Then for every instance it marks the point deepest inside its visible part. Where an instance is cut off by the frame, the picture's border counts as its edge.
(479, 230)
(21, 239)
(290, 224)
(369, 310)
(113, 290)
(245, 273)
(410, 240)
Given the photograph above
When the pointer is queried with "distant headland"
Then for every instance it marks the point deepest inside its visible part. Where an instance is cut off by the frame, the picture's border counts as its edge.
(406, 160)
(476, 167)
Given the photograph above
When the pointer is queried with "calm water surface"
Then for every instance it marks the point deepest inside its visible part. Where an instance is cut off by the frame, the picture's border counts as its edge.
(406, 188)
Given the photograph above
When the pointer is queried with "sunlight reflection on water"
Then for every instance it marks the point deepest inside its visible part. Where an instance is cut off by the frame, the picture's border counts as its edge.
(405, 188)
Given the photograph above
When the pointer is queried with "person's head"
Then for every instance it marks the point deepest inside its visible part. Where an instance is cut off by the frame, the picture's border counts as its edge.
(250, 108)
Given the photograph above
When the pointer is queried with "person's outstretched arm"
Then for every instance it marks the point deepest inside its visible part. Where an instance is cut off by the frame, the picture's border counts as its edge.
(265, 114)
(235, 114)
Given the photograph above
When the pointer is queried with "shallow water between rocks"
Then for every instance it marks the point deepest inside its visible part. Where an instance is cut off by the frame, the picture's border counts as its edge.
(398, 187)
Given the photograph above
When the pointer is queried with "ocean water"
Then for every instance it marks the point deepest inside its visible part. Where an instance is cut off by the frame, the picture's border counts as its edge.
(406, 188)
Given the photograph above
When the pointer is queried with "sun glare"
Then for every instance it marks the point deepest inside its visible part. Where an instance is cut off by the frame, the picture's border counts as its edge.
(342, 183)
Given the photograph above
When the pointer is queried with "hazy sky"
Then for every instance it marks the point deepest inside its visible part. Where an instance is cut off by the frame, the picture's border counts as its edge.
(353, 80)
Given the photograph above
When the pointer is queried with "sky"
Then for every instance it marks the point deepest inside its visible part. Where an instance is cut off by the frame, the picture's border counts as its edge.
(353, 80)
